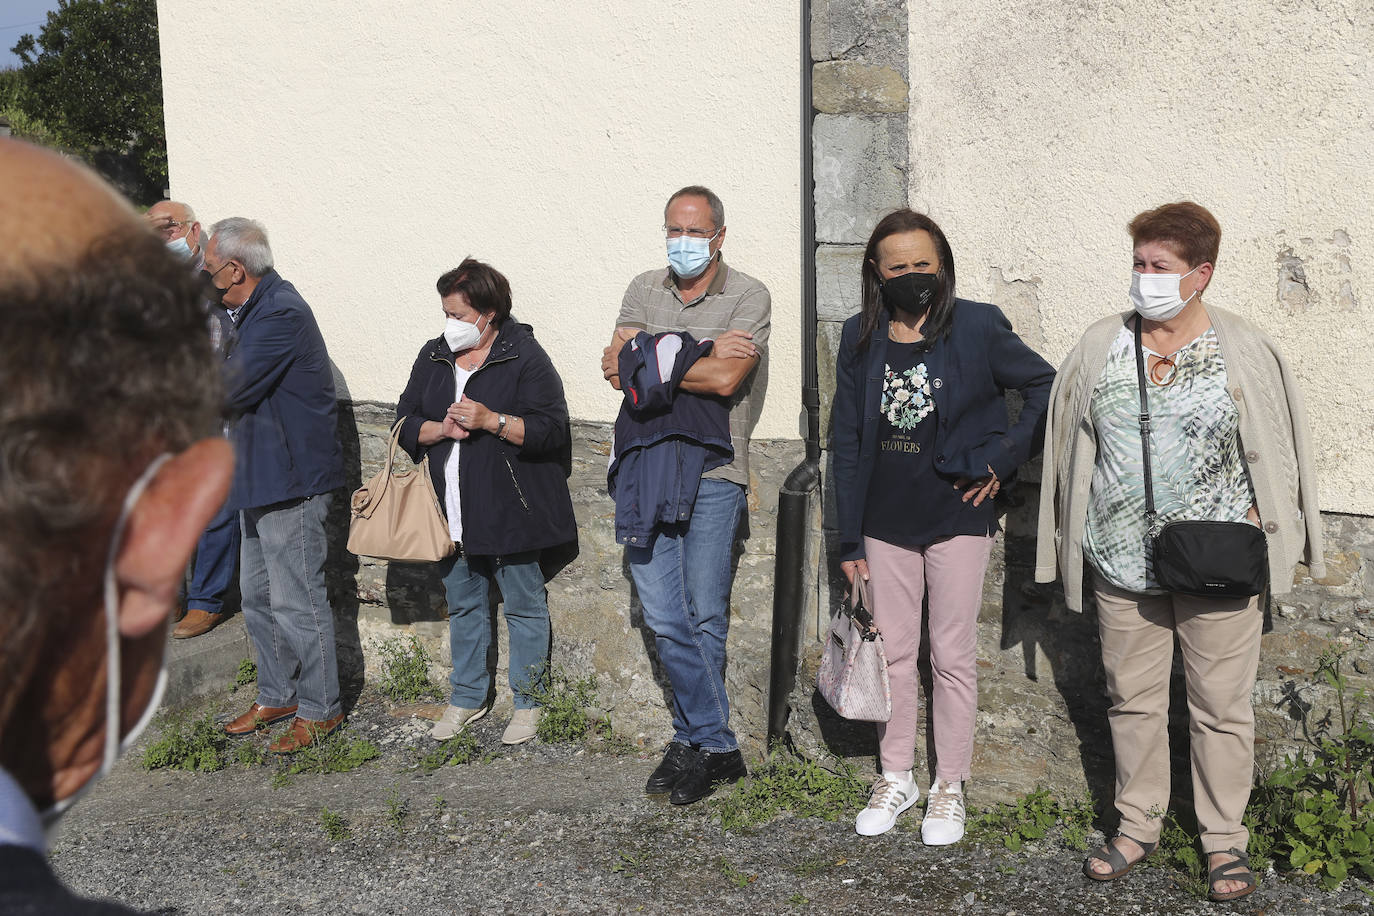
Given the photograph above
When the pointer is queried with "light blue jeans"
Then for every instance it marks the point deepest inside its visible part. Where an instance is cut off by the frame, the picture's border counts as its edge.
(525, 604)
(683, 579)
(286, 605)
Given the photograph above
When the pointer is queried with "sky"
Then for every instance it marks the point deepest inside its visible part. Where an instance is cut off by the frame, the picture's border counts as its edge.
(17, 18)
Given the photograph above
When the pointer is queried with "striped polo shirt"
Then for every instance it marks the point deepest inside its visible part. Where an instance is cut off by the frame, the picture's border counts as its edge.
(733, 301)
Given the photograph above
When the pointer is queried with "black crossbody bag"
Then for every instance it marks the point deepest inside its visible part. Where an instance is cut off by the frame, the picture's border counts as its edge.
(1202, 559)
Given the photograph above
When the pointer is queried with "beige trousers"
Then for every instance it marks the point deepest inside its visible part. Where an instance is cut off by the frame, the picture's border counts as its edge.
(1220, 641)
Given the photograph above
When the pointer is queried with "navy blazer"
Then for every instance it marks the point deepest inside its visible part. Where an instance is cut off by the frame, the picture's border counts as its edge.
(280, 391)
(970, 369)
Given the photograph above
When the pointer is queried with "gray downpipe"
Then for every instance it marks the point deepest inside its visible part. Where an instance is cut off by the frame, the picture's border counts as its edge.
(802, 485)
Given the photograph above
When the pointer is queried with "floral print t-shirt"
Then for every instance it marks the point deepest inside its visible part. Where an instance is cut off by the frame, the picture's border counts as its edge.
(1195, 459)
(908, 503)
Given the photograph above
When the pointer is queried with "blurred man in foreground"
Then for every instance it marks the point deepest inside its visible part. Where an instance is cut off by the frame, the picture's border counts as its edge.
(110, 468)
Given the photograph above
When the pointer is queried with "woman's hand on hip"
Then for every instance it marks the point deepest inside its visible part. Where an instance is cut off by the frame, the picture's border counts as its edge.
(980, 489)
(850, 567)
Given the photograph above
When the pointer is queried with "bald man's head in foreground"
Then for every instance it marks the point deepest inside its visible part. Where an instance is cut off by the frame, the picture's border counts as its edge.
(103, 358)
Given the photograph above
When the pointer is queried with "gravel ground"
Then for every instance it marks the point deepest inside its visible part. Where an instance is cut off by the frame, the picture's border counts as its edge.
(550, 829)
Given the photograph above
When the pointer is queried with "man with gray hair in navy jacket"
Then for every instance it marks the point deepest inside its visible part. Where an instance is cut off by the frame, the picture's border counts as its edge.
(279, 387)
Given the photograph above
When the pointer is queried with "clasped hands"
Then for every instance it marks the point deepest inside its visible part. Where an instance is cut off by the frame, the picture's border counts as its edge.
(465, 416)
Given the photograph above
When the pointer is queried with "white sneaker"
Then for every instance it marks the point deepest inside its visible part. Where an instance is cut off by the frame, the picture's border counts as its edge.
(891, 796)
(944, 820)
(524, 724)
(454, 719)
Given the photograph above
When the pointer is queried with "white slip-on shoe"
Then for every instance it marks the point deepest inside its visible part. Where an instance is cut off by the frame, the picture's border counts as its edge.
(944, 820)
(454, 720)
(891, 796)
(524, 723)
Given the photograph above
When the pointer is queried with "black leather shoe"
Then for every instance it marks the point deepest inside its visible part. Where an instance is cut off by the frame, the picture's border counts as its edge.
(708, 771)
(677, 760)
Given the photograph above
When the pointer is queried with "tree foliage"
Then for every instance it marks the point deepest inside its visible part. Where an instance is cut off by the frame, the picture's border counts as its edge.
(93, 78)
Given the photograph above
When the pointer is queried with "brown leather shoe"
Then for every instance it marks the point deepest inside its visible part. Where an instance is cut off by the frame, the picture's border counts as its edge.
(257, 717)
(197, 623)
(303, 733)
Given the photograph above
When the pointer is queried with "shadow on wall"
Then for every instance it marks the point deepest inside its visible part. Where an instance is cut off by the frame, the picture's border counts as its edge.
(341, 568)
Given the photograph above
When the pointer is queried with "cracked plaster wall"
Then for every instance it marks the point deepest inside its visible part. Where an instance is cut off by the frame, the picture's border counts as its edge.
(1037, 131)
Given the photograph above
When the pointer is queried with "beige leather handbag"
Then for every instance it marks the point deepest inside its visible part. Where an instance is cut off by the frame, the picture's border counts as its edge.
(397, 516)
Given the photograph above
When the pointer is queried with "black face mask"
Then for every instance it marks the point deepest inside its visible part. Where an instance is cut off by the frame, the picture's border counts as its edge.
(911, 293)
(213, 293)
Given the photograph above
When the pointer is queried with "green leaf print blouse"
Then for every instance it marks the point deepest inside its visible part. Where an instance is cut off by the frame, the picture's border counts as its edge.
(1195, 457)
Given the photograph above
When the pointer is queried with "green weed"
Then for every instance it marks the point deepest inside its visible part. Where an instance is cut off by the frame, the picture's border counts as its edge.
(440, 805)
(735, 876)
(1315, 811)
(797, 900)
(249, 754)
(787, 782)
(460, 749)
(338, 752)
(631, 862)
(564, 701)
(397, 809)
(405, 670)
(247, 674)
(335, 827)
(198, 746)
(1032, 817)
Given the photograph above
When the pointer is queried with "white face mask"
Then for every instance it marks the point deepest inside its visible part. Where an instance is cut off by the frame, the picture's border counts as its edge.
(1155, 296)
(462, 335)
(180, 247)
(114, 746)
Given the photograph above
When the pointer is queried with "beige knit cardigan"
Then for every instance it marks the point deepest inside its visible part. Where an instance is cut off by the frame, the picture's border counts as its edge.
(1275, 446)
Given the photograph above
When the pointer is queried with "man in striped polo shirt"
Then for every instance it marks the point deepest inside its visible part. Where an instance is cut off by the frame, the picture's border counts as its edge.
(683, 577)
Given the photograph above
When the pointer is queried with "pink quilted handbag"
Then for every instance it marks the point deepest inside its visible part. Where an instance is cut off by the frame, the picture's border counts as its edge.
(853, 675)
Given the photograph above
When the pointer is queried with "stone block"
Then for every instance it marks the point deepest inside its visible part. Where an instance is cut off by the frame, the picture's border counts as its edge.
(840, 86)
(860, 173)
(839, 285)
(872, 30)
(827, 346)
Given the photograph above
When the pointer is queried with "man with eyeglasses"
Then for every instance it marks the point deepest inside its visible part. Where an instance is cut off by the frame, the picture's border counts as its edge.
(217, 553)
(683, 575)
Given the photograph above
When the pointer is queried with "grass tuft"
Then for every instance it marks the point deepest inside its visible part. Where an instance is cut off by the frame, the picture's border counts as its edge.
(787, 782)
(405, 671)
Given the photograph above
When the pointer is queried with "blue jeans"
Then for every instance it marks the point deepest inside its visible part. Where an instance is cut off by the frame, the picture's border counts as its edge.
(525, 604)
(683, 579)
(286, 605)
(216, 555)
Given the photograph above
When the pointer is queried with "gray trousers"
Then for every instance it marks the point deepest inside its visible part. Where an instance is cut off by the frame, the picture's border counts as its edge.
(286, 605)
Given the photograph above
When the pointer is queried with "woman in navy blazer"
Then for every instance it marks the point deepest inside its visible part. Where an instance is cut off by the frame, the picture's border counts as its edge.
(922, 443)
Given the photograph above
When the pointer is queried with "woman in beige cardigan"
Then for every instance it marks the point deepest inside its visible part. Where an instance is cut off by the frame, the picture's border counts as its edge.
(1229, 443)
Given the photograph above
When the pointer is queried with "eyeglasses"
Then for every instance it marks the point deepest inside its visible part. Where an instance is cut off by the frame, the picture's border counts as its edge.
(170, 227)
(675, 232)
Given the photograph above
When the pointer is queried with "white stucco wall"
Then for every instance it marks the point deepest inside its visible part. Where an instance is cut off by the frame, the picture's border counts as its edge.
(1038, 130)
(382, 141)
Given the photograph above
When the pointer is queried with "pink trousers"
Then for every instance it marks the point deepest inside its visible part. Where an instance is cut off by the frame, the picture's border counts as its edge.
(951, 570)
